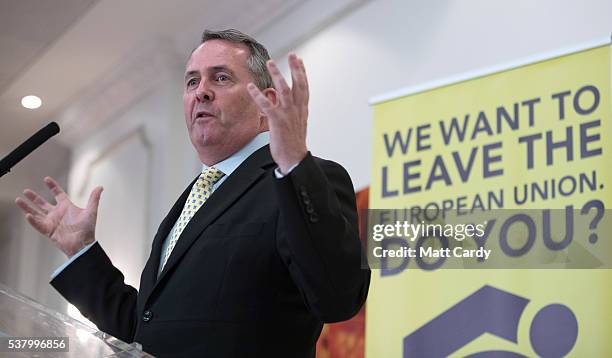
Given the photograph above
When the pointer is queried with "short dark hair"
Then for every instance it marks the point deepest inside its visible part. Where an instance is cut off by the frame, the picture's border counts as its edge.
(256, 62)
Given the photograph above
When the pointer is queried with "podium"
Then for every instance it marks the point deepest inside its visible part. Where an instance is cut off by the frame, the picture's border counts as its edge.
(29, 329)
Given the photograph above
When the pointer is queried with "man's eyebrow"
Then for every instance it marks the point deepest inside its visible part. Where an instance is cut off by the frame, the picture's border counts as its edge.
(211, 69)
(190, 73)
(223, 68)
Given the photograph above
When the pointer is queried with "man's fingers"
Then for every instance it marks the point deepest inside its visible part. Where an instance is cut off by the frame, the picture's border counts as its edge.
(306, 86)
(260, 99)
(296, 79)
(35, 218)
(299, 85)
(285, 95)
(43, 205)
(37, 223)
(94, 199)
(55, 188)
(25, 207)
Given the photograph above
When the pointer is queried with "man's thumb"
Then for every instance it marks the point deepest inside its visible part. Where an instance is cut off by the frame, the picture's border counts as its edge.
(94, 199)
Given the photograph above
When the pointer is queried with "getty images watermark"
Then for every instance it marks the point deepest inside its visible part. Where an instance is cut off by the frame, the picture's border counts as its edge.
(408, 231)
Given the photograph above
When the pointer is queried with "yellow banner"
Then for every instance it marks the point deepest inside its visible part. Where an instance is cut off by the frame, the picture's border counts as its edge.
(531, 137)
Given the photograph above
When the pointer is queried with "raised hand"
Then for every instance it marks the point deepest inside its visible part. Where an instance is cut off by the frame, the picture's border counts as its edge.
(69, 227)
(287, 116)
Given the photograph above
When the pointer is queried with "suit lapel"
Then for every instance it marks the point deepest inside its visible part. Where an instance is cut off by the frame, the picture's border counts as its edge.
(241, 180)
(152, 267)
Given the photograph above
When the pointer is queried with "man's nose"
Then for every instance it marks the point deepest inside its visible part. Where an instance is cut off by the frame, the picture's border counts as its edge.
(204, 92)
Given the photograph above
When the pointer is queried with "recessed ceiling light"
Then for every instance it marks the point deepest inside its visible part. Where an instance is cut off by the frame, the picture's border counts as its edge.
(31, 102)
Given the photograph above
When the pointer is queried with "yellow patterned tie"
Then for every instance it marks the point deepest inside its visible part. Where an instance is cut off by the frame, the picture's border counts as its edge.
(200, 192)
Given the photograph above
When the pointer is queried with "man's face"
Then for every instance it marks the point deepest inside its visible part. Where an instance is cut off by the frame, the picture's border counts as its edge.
(220, 114)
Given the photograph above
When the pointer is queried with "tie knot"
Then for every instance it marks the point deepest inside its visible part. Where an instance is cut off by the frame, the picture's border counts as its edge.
(211, 175)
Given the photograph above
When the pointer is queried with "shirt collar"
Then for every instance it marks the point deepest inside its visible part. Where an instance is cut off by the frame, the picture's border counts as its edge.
(228, 165)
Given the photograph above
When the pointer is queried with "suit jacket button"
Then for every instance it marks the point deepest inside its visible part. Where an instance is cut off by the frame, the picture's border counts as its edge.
(306, 200)
(303, 191)
(309, 209)
(147, 316)
(314, 217)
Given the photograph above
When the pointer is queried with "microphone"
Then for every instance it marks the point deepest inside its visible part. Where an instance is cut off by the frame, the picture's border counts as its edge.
(28, 147)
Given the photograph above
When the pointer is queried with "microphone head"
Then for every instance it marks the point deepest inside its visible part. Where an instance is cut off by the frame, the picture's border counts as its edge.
(28, 146)
(54, 128)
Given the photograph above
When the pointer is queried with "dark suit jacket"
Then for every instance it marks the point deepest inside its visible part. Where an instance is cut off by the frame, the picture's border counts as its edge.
(255, 273)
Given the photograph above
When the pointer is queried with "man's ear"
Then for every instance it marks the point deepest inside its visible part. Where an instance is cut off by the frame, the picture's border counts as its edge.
(272, 96)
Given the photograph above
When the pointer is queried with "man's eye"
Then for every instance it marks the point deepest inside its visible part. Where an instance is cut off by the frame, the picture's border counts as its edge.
(222, 78)
(192, 82)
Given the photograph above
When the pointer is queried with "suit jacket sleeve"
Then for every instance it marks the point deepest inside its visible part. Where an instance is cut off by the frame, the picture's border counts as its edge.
(97, 288)
(318, 239)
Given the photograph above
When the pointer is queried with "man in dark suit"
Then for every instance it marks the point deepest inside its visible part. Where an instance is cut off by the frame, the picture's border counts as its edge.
(258, 252)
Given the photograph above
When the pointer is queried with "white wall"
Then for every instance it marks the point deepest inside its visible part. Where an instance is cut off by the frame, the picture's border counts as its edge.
(386, 45)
